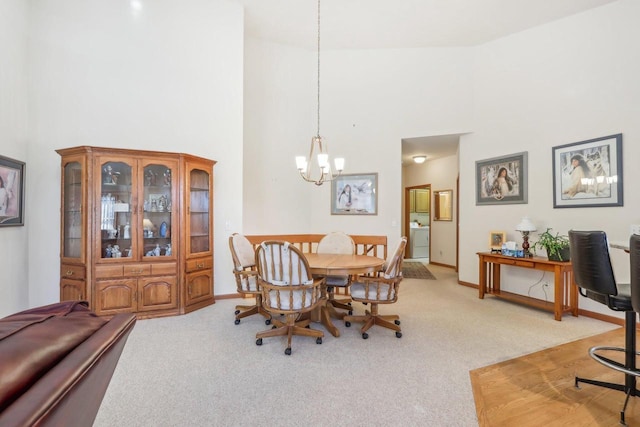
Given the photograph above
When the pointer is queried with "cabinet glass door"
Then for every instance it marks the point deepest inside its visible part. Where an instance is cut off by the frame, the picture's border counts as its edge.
(117, 213)
(72, 204)
(157, 222)
(198, 213)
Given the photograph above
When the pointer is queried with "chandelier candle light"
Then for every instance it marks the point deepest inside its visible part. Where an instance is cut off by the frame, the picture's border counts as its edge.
(318, 147)
(525, 227)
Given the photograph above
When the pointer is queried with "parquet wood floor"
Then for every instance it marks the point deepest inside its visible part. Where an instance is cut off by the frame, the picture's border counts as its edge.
(538, 389)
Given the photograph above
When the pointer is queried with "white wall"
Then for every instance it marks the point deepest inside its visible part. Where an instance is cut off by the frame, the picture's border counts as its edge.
(171, 78)
(370, 100)
(279, 121)
(13, 144)
(168, 78)
(441, 174)
(568, 81)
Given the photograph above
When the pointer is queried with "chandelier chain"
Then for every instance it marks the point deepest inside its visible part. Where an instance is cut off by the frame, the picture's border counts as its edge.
(305, 165)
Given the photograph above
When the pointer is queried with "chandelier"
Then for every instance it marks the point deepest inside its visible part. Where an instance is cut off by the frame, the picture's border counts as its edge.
(318, 149)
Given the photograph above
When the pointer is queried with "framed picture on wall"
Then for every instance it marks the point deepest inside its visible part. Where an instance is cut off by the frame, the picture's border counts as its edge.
(588, 173)
(502, 180)
(355, 194)
(11, 192)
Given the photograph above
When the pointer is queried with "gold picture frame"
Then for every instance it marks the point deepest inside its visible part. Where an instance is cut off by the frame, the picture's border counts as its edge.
(496, 239)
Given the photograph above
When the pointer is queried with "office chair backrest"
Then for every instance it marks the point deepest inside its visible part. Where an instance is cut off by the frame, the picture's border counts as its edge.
(241, 251)
(634, 257)
(394, 264)
(592, 268)
(336, 243)
(281, 263)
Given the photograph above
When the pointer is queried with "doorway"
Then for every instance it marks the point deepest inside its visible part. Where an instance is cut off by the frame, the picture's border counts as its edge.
(417, 222)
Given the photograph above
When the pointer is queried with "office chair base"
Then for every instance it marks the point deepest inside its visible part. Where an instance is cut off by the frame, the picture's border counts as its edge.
(629, 388)
(243, 311)
(386, 321)
(290, 328)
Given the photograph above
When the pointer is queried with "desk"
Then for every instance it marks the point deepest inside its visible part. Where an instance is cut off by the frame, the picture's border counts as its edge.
(620, 245)
(565, 290)
(339, 265)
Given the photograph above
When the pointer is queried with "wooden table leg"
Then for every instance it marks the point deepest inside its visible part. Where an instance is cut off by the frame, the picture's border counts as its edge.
(558, 292)
(482, 280)
(495, 279)
(573, 294)
(325, 319)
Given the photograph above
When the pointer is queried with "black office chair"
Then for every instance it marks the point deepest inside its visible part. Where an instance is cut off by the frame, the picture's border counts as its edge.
(593, 274)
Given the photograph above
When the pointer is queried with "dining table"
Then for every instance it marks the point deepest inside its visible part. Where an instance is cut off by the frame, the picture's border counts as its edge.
(339, 265)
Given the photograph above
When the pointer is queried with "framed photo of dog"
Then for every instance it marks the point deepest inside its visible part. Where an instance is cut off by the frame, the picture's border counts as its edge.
(588, 173)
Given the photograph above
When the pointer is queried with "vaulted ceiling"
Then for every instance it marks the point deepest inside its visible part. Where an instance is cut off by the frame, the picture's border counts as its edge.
(381, 24)
(367, 24)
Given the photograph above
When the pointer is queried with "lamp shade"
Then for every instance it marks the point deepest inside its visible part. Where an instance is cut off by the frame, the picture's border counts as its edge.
(525, 225)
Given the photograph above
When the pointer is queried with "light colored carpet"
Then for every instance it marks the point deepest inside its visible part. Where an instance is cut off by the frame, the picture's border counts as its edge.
(202, 370)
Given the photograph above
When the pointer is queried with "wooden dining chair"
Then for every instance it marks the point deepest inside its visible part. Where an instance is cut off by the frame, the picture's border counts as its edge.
(288, 288)
(246, 274)
(337, 243)
(381, 288)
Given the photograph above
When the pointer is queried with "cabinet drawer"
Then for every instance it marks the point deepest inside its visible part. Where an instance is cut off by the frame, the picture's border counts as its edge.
(137, 269)
(199, 264)
(527, 264)
(108, 271)
(75, 272)
(164, 268)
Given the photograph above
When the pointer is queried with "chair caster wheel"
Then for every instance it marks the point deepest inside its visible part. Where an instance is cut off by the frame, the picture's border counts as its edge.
(237, 312)
(350, 312)
(287, 351)
(399, 334)
(319, 340)
(267, 322)
(365, 335)
(347, 324)
(237, 322)
(259, 341)
(273, 327)
(397, 322)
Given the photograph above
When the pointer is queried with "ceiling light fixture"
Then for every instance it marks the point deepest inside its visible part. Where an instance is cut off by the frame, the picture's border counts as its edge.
(419, 159)
(318, 147)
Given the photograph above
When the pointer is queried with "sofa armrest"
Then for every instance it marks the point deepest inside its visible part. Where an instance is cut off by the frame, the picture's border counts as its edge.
(71, 392)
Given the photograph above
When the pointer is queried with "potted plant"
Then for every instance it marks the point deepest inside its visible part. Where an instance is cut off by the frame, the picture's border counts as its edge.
(557, 246)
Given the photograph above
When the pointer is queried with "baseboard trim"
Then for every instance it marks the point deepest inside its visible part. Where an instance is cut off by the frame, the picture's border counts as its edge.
(469, 284)
(581, 312)
(453, 267)
(229, 296)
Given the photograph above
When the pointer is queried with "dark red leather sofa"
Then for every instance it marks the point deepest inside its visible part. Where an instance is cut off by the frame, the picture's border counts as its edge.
(56, 362)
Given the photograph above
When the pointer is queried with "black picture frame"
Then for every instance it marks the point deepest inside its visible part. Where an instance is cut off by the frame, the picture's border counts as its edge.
(11, 192)
(510, 190)
(600, 185)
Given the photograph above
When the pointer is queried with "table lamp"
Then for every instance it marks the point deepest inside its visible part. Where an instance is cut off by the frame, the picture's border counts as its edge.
(525, 227)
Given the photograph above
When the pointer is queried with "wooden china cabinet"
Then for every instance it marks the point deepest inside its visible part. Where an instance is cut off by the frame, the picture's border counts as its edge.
(136, 231)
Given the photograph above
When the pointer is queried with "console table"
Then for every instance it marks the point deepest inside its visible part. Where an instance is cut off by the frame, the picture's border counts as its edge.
(565, 290)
